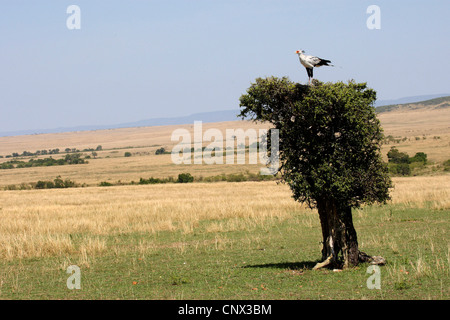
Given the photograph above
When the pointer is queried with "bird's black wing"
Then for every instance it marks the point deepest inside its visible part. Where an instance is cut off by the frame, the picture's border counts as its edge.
(322, 62)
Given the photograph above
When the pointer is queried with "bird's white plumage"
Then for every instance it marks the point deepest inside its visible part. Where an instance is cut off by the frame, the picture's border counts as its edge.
(309, 61)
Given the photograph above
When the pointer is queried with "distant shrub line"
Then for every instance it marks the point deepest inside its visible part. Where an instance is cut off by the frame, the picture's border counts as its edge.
(188, 178)
(182, 178)
(237, 177)
(49, 151)
(68, 159)
(57, 183)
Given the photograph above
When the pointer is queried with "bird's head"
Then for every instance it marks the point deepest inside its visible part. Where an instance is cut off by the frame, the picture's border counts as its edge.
(300, 51)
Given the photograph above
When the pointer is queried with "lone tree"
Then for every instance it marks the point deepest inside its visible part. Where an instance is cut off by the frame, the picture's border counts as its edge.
(329, 151)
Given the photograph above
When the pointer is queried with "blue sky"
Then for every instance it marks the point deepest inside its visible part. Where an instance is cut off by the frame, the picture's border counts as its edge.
(135, 60)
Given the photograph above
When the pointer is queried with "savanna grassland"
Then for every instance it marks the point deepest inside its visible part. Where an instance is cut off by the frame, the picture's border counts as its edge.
(222, 240)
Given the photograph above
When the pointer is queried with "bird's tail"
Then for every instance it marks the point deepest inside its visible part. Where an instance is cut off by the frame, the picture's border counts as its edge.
(324, 62)
(332, 65)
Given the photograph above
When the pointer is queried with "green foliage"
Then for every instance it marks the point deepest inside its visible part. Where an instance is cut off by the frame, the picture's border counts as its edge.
(44, 185)
(74, 159)
(152, 180)
(396, 156)
(185, 178)
(330, 138)
(447, 165)
(161, 150)
(58, 182)
(401, 169)
(127, 154)
(236, 177)
(419, 157)
(402, 164)
(6, 165)
(105, 184)
(68, 159)
(37, 153)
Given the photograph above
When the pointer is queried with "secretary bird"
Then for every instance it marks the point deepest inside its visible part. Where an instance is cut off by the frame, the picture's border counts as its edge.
(309, 62)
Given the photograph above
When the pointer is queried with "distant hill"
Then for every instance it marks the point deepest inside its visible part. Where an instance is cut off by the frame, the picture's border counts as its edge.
(436, 103)
(441, 101)
(412, 99)
(214, 116)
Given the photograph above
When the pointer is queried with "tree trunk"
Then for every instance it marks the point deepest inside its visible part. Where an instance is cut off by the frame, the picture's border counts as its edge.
(350, 250)
(339, 235)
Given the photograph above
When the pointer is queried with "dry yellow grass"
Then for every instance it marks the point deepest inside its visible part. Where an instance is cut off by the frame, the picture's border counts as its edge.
(422, 191)
(39, 223)
(418, 122)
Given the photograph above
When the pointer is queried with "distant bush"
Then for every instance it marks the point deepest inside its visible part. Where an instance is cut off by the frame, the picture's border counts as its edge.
(161, 151)
(74, 159)
(185, 178)
(58, 182)
(105, 184)
(396, 156)
(447, 165)
(401, 169)
(44, 185)
(127, 154)
(6, 165)
(419, 157)
(402, 164)
(22, 186)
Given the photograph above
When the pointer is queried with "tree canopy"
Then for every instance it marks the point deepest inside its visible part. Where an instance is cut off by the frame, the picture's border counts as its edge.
(329, 135)
(329, 142)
